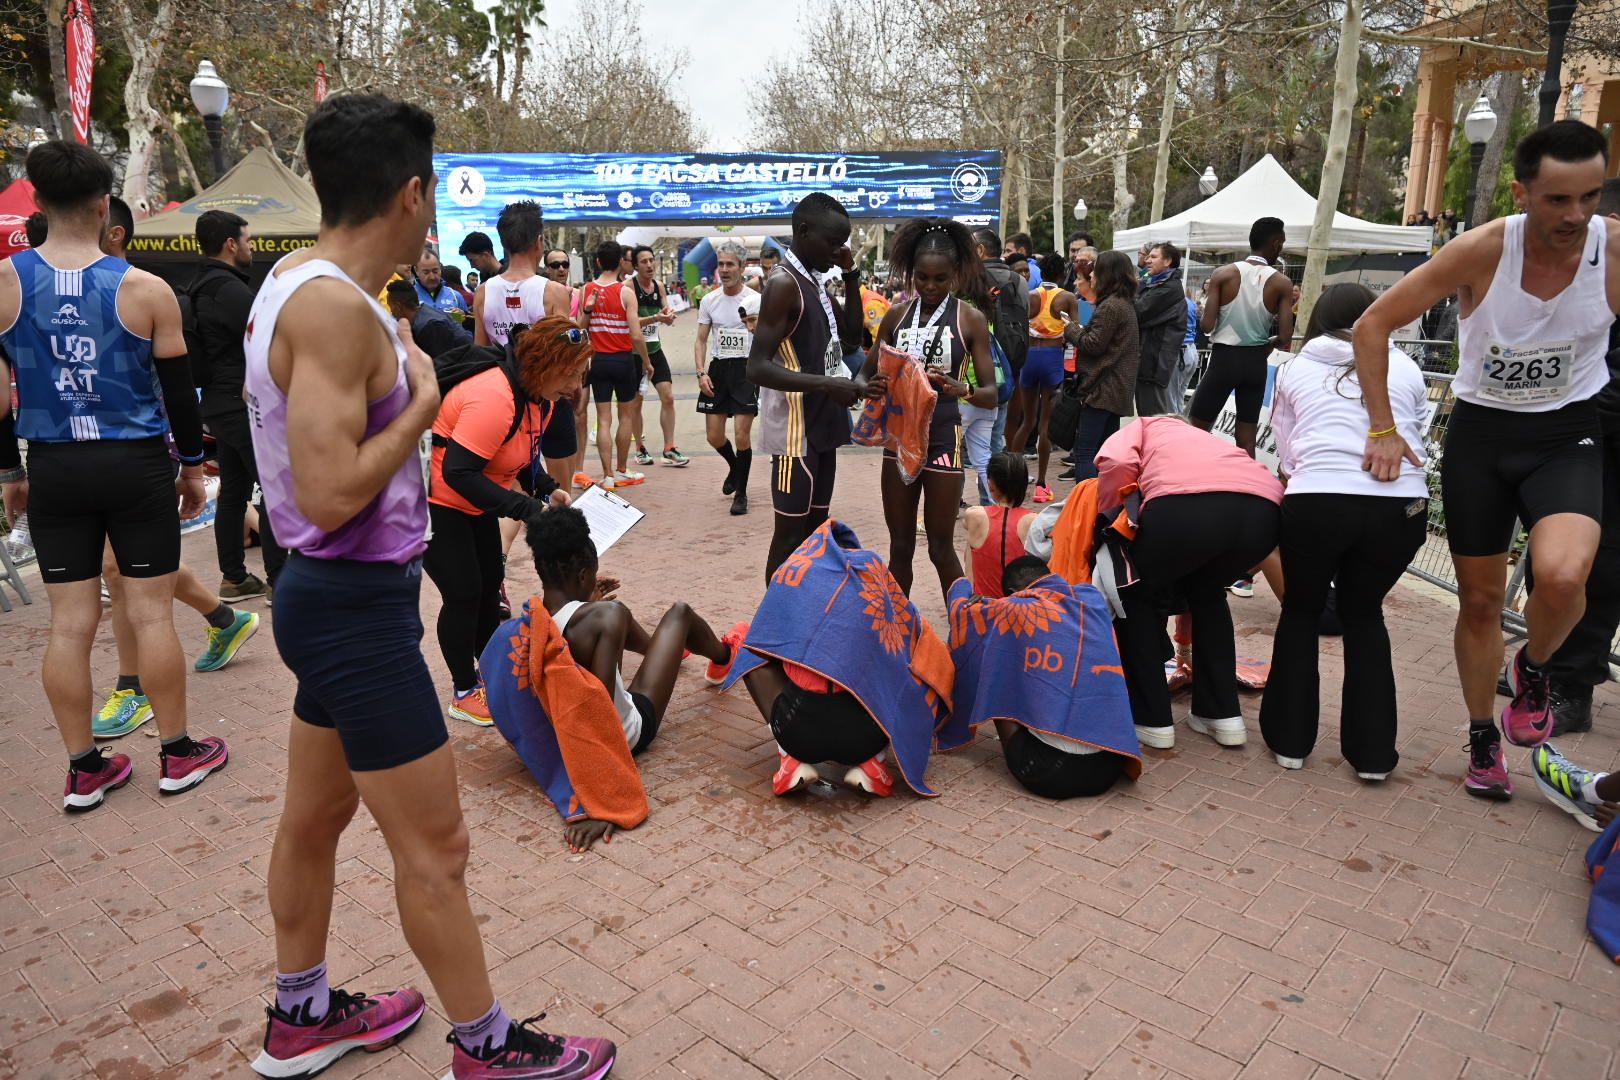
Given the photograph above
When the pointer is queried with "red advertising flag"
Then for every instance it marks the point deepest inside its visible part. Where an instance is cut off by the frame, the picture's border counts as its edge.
(81, 60)
(320, 81)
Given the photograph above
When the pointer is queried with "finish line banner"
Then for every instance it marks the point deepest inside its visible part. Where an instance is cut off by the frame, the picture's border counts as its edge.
(714, 189)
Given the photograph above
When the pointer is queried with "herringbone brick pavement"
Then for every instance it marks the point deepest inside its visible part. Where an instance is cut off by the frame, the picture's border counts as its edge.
(1219, 918)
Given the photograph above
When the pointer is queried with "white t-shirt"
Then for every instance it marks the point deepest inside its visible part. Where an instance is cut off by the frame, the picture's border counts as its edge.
(629, 715)
(729, 336)
(1321, 422)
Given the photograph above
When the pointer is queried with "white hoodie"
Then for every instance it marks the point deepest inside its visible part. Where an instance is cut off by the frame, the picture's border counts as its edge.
(1321, 422)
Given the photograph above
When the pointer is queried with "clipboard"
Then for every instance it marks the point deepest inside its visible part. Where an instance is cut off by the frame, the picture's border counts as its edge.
(608, 515)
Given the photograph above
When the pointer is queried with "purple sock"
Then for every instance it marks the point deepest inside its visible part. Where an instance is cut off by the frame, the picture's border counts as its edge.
(485, 1035)
(304, 995)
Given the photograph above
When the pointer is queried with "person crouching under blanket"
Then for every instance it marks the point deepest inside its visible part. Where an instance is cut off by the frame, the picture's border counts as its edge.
(842, 666)
(569, 713)
(1041, 663)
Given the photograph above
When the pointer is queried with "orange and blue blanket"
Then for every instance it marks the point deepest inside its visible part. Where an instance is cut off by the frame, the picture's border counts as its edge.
(1044, 658)
(834, 608)
(1603, 912)
(559, 718)
(899, 421)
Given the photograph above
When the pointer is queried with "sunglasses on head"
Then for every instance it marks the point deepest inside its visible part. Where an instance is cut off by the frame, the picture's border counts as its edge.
(575, 336)
(557, 266)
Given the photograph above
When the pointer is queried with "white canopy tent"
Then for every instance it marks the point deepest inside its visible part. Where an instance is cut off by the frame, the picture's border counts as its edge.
(1222, 221)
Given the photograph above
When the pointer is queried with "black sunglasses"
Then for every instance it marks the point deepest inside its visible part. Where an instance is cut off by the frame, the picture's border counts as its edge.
(557, 266)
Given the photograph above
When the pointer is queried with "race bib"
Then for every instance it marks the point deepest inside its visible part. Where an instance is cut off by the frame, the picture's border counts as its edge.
(832, 362)
(731, 343)
(650, 332)
(1526, 374)
(930, 346)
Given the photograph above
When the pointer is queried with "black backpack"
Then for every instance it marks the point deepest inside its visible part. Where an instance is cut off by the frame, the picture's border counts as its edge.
(464, 361)
(1011, 323)
(207, 282)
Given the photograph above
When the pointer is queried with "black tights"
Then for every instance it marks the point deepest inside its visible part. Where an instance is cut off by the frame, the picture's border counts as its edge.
(940, 494)
(464, 561)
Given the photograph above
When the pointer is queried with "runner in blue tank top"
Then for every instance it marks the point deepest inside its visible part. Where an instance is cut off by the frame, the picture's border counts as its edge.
(102, 377)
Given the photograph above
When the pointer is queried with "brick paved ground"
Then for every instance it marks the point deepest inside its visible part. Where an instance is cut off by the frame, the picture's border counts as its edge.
(1219, 918)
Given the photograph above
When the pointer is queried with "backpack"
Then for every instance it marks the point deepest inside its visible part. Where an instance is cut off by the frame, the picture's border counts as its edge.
(464, 361)
(1004, 373)
(207, 282)
(1010, 326)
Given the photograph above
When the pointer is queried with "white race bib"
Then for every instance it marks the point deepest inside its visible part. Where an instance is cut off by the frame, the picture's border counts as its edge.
(731, 342)
(1526, 374)
(932, 347)
(650, 332)
(833, 361)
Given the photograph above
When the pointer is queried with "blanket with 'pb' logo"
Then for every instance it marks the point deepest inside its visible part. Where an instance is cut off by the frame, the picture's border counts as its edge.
(1603, 912)
(835, 609)
(899, 420)
(1044, 658)
(561, 721)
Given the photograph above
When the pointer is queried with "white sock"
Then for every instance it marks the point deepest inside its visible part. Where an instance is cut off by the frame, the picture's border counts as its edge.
(1589, 789)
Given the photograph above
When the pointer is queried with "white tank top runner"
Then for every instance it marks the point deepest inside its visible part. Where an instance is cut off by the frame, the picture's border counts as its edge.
(510, 303)
(1245, 321)
(1524, 354)
(629, 715)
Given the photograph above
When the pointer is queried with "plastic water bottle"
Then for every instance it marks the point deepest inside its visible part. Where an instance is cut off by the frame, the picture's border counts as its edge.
(19, 543)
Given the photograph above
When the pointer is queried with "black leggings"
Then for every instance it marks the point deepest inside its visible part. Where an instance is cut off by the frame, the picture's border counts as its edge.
(1044, 770)
(1364, 542)
(1188, 549)
(464, 561)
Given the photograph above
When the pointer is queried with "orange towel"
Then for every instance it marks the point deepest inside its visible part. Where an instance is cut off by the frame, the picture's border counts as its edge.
(900, 420)
(1075, 535)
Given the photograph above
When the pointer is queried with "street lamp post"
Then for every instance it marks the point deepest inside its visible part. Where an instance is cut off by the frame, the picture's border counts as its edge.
(1208, 182)
(1559, 14)
(1478, 127)
(1080, 209)
(212, 97)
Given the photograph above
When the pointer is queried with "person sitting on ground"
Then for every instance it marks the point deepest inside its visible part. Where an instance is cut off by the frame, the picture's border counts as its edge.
(1593, 800)
(1040, 662)
(555, 686)
(842, 666)
(996, 533)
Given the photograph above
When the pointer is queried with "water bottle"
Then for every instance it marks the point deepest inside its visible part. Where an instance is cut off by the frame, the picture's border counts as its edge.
(19, 543)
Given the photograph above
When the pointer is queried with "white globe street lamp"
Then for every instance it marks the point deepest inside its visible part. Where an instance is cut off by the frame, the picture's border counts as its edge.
(1208, 182)
(212, 98)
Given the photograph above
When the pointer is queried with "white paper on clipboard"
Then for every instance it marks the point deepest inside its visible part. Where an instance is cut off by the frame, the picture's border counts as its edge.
(609, 517)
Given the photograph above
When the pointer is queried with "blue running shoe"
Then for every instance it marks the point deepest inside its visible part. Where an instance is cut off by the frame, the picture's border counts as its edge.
(224, 644)
(124, 711)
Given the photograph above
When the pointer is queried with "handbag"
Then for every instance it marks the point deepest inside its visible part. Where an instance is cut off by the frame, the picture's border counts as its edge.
(1064, 422)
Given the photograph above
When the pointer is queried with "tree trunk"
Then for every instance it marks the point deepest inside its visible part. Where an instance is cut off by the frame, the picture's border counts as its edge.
(1505, 100)
(1023, 194)
(56, 35)
(182, 156)
(1353, 203)
(1167, 116)
(1338, 141)
(1057, 131)
(145, 44)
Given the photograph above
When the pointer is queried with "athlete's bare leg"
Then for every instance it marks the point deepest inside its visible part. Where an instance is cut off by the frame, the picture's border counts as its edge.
(666, 412)
(1481, 589)
(1562, 547)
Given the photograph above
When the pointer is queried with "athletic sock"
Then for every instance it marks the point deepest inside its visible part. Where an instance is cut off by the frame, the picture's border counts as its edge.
(128, 682)
(728, 453)
(179, 746)
(221, 617)
(1479, 727)
(89, 761)
(485, 1035)
(1530, 665)
(745, 461)
(1589, 789)
(304, 995)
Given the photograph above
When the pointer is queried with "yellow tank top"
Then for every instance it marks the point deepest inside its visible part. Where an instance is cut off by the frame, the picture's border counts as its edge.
(1045, 324)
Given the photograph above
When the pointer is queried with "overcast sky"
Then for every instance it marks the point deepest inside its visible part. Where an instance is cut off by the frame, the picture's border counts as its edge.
(727, 43)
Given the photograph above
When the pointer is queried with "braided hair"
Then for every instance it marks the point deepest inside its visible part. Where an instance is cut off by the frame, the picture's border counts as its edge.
(942, 236)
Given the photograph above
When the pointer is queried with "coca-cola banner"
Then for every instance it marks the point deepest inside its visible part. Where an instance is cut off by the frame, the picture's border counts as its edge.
(81, 61)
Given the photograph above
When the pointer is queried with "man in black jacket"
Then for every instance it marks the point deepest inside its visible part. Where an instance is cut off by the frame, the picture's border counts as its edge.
(433, 331)
(1161, 318)
(220, 300)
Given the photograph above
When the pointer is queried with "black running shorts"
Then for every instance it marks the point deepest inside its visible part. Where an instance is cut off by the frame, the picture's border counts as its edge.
(802, 484)
(84, 495)
(560, 440)
(825, 727)
(660, 366)
(615, 376)
(351, 634)
(944, 449)
(1239, 369)
(1042, 769)
(733, 394)
(1501, 465)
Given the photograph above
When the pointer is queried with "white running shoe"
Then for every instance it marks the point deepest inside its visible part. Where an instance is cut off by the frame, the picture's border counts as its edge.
(1162, 738)
(1289, 762)
(1228, 731)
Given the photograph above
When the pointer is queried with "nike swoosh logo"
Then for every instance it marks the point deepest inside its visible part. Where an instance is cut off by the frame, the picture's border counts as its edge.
(1595, 249)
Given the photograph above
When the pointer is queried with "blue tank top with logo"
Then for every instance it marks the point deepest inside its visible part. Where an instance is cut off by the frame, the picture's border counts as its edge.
(81, 374)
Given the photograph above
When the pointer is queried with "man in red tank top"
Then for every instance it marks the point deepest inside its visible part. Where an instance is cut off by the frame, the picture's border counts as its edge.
(620, 363)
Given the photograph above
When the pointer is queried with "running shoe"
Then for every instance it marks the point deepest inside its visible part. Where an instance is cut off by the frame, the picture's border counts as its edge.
(1527, 721)
(871, 777)
(86, 788)
(792, 774)
(1487, 769)
(246, 589)
(1373, 777)
(1228, 730)
(582, 480)
(123, 712)
(622, 478)
(1289, 762)
(223, 645)
(1561, 780)
(642, 457)
(607, 483)
(674, 457)
(1043, 494)
(352, 1022)
(1571, 709)
(715, 674)
(1243, 587)
(739, 504)
(1162, 738)
(472, 706)
(182, 772)
(531, 1054)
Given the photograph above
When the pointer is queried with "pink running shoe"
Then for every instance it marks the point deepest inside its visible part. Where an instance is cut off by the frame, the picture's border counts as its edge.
(871, 777)
(85, 790)
(715, 674)
(1487, 769)
(353, 1021)
(1528, 719)
(531, 1054)
(184, 772)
